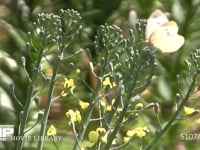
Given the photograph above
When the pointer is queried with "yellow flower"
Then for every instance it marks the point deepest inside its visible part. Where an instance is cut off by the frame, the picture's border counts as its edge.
(84, 105)
(105, 138)
(70, 114)
(74, 116)
(101, 130)
(130, 133)
(114, 84)
(78, 116)
(78, 71)
(140, 132)
(108, 107)
(51, 131)
(93, 136)
(126, 139)
(107, 81)
(139, 106)
(188, 110)
(69, 83)
(86, 144)
(63, 94)
(146, 129)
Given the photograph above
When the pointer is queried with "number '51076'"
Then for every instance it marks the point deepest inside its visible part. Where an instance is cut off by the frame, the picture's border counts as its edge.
(190, 136)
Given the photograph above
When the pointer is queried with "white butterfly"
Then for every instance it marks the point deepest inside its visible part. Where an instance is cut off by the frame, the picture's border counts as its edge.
(163, 34)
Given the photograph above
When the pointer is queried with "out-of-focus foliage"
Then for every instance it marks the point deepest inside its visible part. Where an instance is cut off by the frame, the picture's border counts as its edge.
(16, 20)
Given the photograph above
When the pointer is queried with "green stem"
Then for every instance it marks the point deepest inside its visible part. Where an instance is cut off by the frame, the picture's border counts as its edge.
(85, 123)
(114, 108)
(86, 118)
(169, 124)
(25, 112)
(118, 123)
(48, 105)
(87, 115)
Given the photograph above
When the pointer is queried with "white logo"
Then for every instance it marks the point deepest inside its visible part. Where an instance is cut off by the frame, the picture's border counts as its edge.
(6, 131)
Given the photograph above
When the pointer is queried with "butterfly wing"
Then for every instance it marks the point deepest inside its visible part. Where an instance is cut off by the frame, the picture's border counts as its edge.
(169, 28)
(169, 43)
(166, 38)
(156, 19)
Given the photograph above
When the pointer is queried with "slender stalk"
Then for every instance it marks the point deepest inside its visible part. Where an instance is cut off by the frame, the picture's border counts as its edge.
(173, 118)
(86, 118)
(88, 113)
(25, 112)
(118, 123)
(48, 105)
(115, 106)
(85, 123)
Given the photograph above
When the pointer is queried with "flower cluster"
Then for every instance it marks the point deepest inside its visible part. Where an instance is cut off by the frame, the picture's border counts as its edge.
(107, 82)
(68, 86)
(107, 107)
(93, 137)
(74, 116)
(139, 132)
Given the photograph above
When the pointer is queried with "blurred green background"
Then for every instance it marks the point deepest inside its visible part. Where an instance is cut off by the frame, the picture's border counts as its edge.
(16, 20)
